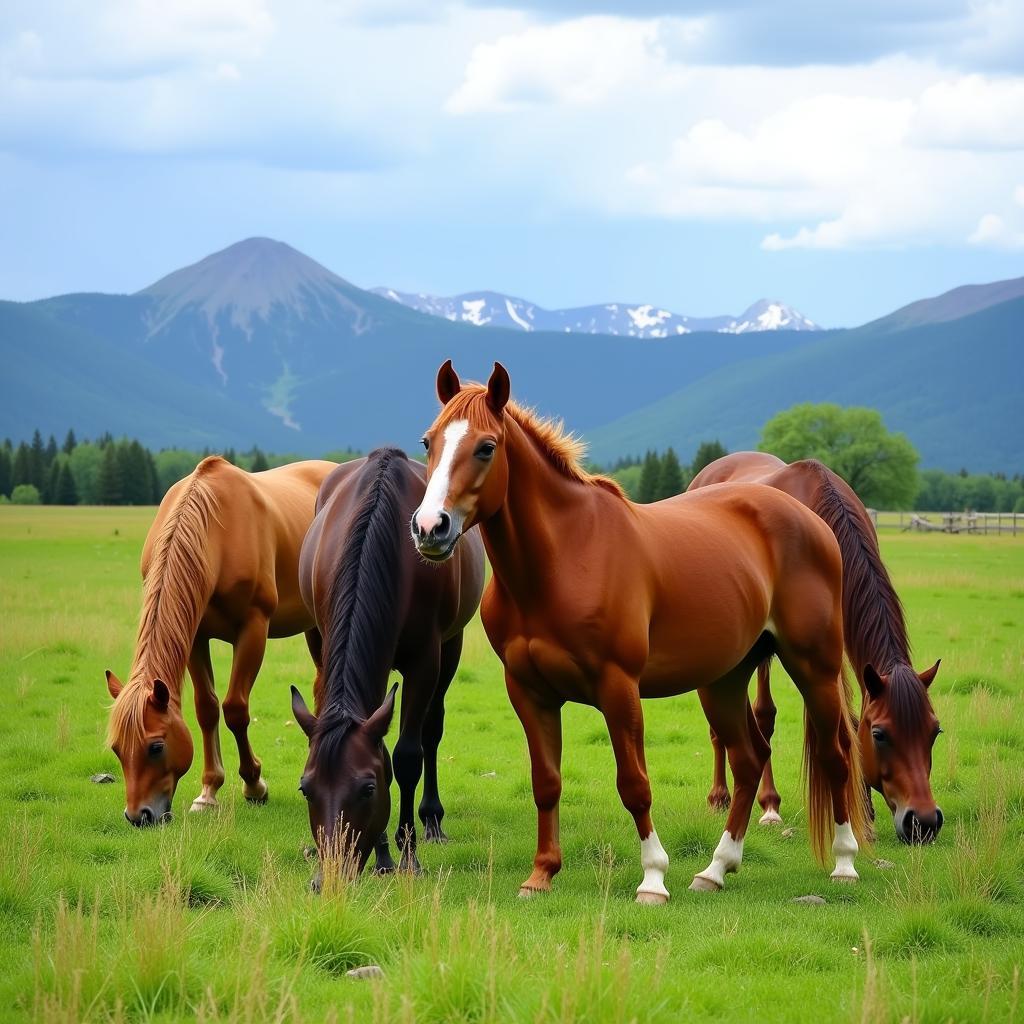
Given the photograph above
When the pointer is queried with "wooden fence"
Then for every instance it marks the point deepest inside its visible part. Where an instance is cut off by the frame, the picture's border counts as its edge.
(1011, 523)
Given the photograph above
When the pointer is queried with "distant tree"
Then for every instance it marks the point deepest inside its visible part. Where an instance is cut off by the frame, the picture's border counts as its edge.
(707, 452)
(37, 462)
(259, 462)
(629, 478)
(172, 465)
(111, 483)
(25, 494)
(670, 479)
(69, 443)
(22, 466)
(6, 470)
(650, 478)
(85, 462)
(49, 495)
(51, 451)
(879, 465)
(138, 474)
(230, 456)
(66, 493)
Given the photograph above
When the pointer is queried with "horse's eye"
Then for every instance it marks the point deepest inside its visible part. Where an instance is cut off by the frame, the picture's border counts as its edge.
(486, 451)
(367, 790)
(426, 442)
(879, 735)
(156, 748)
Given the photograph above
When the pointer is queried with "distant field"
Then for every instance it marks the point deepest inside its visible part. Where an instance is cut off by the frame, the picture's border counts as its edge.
(210, 917)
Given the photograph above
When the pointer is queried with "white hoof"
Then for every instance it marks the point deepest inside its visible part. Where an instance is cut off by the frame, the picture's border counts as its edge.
(652, 899)
(770, 817)
(256, 794)
(526, 893)
(204, 803)
(702, 883)
(847, 877)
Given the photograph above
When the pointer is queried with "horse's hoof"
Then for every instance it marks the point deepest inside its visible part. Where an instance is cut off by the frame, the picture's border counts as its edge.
(719, 800)
(845, 878)
(701, 883)
(414, 869)
(770, 817)
(384, 869)
(257, 794)
(652, 899)
(434, 835)
(202, 803)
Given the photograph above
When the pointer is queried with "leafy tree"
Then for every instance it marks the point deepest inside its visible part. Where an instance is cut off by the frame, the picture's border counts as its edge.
(879, 465)
(650, 478)
(65, 493)
(172, 465)
(25, 494)
(670, 479)
(707, 452)
(69, 443)
(85, 462)
(629, 478)
(6, 470)
(111, 482)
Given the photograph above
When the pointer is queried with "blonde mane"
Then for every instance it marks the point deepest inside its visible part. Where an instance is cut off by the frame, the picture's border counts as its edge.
(175, 595)
(564, 451)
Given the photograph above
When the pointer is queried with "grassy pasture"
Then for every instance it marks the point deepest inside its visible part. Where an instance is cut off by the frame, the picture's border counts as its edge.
(209, 918)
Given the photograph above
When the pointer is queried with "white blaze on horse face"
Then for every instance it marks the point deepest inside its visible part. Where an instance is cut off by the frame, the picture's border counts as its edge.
(844, 849)
(428, 515)
(654, 861)
(726, 860)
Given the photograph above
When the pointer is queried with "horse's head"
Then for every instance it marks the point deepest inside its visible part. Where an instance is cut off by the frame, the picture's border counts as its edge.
(153, 744)
(897, 731)
(346, 781)
(467, 471)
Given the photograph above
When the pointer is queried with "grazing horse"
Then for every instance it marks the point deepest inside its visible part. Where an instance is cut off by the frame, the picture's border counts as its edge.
(378, 607)
(600, 601)
(220, 562)
(897, 726)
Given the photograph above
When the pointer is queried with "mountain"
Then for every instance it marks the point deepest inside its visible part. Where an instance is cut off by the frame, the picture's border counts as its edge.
(952, 305)
(952, 387)
(616, 318)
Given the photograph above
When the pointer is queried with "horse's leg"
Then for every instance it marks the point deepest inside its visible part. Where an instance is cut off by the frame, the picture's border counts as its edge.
(208, 716)
(619, 697)
(728, 710)
(315, 643)
(764, 714)
(431, 810)
(542, 724)
(418, 686)
(245, 665)
(718, 796)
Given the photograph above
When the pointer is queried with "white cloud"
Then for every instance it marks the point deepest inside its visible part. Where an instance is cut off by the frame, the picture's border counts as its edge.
(972, 111)
(993, 232)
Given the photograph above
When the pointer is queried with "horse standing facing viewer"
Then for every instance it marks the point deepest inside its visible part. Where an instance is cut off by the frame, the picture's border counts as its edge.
(600, 601)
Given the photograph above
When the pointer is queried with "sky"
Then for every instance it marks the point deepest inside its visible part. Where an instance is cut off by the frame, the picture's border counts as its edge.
(846, 158)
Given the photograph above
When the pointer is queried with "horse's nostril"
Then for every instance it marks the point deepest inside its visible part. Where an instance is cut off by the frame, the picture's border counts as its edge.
(938, 818)
(444, 524)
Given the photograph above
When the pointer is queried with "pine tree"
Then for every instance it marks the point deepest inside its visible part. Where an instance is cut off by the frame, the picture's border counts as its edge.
(69, 443)
(230, 456)
(136, 473)
(154, 479)
(51, 451)
(6, 469)
(21, 472)
(670, 480)
(650, 478)
(67, 493)
(707, 452)
(37, 462)
(49, 495)
(111, 485)
(259, 462)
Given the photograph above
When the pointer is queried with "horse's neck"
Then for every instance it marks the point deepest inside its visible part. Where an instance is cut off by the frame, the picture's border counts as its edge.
(529, 529)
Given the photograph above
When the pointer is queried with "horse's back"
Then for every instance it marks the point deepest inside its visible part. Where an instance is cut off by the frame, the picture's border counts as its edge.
(737, 467)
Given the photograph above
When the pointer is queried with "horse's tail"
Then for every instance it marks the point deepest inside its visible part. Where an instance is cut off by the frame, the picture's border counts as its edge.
(821, 819)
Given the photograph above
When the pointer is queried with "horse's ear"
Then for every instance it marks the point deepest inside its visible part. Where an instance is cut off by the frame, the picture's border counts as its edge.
(377, 725)
(161, 696)
(114, 685)
(302, 714)
(448, 383)
(873, 682)
(928, 674)
(499, 387)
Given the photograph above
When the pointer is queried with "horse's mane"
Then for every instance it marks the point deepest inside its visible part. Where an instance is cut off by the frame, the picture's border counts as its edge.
(175, 593)
(361, 604)
(564, 451)
(875, 629)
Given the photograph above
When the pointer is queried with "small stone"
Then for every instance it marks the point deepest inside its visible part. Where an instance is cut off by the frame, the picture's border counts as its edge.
(102, 778)
(365, 973)
(788, 833)
(810, 901)
(884, 865)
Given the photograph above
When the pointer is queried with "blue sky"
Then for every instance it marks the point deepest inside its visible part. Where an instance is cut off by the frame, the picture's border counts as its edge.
(843, 157)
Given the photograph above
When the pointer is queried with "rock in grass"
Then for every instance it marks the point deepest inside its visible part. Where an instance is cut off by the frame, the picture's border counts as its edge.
(810, 901)
(102, 778)
(884, 865)
(363, 973)
(788, 833)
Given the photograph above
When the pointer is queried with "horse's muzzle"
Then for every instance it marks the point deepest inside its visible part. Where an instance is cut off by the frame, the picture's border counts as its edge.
(915, 828)
(438, 543)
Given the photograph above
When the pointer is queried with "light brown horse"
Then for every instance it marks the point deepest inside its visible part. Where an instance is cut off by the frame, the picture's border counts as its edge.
(220, 562)
(600, 601)
(898, 726)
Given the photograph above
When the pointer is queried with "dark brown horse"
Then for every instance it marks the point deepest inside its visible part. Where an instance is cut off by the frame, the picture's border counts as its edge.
(379, 607)
(220, 562)
(897, 726)
(602, 602)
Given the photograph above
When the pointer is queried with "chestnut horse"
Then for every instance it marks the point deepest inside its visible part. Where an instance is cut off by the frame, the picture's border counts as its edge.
(220, 562)
(600, 601)
(379, 607)
(897, 726)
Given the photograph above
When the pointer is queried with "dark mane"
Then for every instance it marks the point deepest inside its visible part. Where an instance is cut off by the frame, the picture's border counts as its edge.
(362, 605)
(874, 626)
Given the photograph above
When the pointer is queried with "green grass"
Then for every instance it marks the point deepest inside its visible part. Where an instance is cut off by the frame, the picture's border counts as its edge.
(210, 918)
